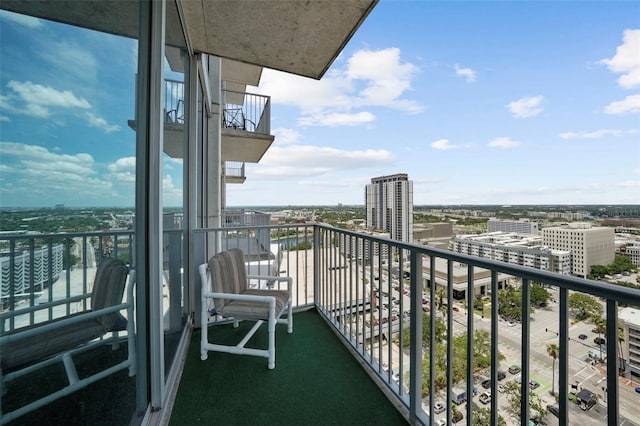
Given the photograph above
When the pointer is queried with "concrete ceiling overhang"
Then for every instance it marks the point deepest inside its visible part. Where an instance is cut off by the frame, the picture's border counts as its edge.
(299, 37)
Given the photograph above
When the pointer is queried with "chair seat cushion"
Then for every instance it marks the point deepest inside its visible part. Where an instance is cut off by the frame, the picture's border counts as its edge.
(252, 310)
(22, 352)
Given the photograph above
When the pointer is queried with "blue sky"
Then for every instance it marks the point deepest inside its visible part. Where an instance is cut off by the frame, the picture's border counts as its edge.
(508, 102)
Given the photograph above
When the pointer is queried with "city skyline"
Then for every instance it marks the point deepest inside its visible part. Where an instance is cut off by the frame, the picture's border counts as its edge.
(534, 103)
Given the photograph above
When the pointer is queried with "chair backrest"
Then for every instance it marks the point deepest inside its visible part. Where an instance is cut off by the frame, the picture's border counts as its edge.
(228, 273)
(108, 288)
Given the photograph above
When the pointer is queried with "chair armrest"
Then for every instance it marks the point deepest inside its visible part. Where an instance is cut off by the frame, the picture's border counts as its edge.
(245, 297)
(289, 280)
(46, 327)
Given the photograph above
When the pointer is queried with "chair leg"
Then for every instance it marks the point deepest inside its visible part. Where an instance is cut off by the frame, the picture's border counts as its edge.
(290, 318)
(272, 343)
(204, 328)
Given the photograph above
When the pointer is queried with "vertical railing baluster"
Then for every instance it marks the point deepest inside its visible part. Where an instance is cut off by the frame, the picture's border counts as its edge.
(432, 336)
(470, 342)
(494, 341)
(611, 390)
(563, 364)
(32, 278)
(50, 277)
(525, 343)
(415, 333)
(449, 334)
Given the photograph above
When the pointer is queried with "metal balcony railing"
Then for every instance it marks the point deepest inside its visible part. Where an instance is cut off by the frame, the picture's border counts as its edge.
(246, 111)
(234, 169)
(369, 290)
(375, 293)
(242, 111)
(174, 101)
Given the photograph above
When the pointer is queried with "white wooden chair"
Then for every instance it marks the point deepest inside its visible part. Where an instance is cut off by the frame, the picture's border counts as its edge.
(226, 295)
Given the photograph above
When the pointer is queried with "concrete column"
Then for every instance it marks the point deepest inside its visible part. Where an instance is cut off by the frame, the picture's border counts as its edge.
(214, 156)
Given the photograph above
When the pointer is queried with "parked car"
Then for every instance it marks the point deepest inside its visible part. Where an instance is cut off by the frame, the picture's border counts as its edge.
(554, 409)
(438, 407)
(485, 398)
(533, 384)
(514, 369)
(599, 341)
(501, 375)
(455, 308)
(582, 336)
(486, 383)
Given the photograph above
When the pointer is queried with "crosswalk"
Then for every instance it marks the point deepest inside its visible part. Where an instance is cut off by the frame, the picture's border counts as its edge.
(585, 374)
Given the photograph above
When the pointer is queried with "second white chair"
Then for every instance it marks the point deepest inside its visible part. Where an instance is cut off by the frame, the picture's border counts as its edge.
(226, 294)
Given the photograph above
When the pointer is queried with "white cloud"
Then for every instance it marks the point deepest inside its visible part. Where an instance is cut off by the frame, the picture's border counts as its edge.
(630, 104)
(370, 78)
(626, 61)
(76, 61)
(635, 171)
(47, 174)
(286, 136)
(171, 193)
(124, 169)
(630, 184)
(593, 135)
(306, 160)
(503, 143)
(27, 21)
(101, 123)
(387, 78)
(4, 118)
(467, 73)
(526, 107)
(337, 119)
(443, 144)
(38, 99)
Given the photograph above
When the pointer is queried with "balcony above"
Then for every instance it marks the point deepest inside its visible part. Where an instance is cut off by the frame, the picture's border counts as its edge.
(246, 124)
(234, 172)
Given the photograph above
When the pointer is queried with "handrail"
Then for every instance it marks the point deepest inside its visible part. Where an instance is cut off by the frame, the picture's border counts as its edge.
(250, 112)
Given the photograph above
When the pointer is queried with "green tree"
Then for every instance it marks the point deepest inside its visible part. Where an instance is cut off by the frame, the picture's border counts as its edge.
(482, 417)
(514, 396)
(554, 352)
(441, 328)
(621, 264)
(583, 305)
(440, 305)
(539, 295)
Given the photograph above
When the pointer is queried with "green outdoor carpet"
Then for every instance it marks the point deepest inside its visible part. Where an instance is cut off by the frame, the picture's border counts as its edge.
(316, 381)
(93, 405)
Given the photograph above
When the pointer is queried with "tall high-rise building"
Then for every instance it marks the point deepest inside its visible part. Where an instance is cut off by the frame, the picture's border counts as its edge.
(590, 245)
(389, 203)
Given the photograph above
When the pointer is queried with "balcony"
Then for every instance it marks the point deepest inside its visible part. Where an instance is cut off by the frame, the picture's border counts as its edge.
(358, 347)
(246, 124)
(234, 172)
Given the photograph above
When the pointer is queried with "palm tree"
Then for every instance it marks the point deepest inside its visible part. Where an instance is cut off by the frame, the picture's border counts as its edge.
(601, 327)
(554, 352)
